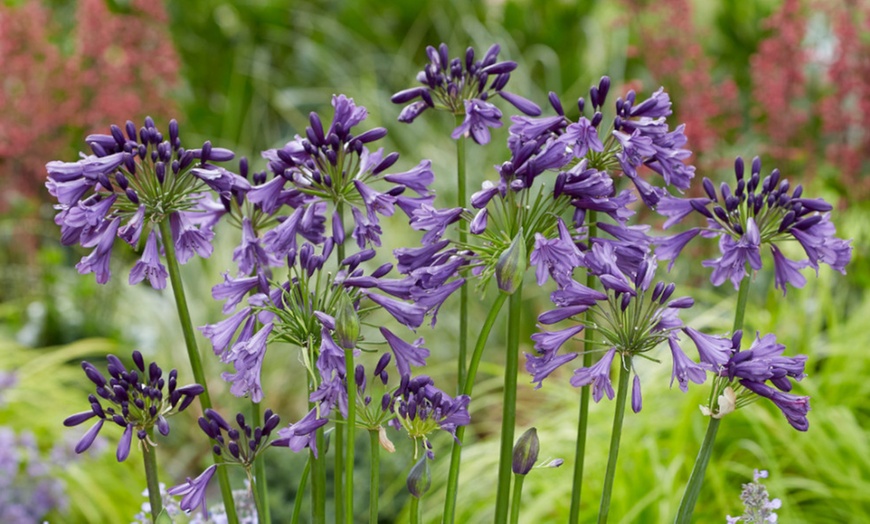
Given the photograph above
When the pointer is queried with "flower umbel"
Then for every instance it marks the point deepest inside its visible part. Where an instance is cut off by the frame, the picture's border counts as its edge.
(137, 398)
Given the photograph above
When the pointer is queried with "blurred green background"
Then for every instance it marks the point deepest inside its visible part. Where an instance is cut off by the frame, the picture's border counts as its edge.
(786, 80)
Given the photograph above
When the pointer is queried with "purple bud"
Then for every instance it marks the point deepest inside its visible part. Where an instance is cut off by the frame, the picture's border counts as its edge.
(407, 95)
(132, 195)
(525, 452)
(89, 437)
(556, 103)
(162, 425)
(636, 401)
(756, 165)
(78, 418)
(682, 303)
(603, 89)
(738, 167)
(371, 135)
(204, 153)
(593, 97)
(382, 270)
(596, 119)
(657, 291)
(709, 189)
(666, 294)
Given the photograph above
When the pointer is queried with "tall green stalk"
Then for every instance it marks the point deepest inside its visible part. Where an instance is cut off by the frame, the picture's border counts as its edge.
(693, 488)
(416, 516)
(297, 504)
(509, 406)
(585, 395)
(193, 355)
(318, 480)
(260, 473)
(461, 197)
(516, 499)
(615, 437)
(375, 480)
(149, 455)
(351, 430)
(338, 431)
(467, 387)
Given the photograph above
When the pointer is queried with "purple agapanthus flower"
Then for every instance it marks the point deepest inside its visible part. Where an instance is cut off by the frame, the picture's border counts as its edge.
(302, 434)
(647, 309)
(755, 212)
(761, 370)
(139, 179)
(154, 397)
(193, 491)
(149, 266)
(479, 117)
(247, 358)
(459, 85)
(406, 354)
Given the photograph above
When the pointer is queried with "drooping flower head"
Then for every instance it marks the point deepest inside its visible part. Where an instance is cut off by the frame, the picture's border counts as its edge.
(463, 86)
(742, 377)
(134, 180)
(138, 401)
(755, 212)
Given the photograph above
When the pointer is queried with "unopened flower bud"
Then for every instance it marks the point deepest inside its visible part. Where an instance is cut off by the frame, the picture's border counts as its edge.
(419, 479)
(526, 452)
(511, 266)
(346, 323)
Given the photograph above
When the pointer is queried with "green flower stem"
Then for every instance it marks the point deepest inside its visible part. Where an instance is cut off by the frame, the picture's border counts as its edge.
(461, 197)
(259, 502)
(260, 472)
(509, 406)
(468, 386)
(416, 517)
(338, 431)
(615, 436)
(517, 498)
(374, 483)
(693, 488)
(318, 482)
(338, 473)
(585, 394)
(193, 355)
(351, 429)
(297, 504)
(149, 455)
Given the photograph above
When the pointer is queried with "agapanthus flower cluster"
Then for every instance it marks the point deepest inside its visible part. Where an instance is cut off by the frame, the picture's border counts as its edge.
(415, 405)
(133, 181)
(138, 401)
(750, 214)
(584, 164)
(421, 409)
(632, 315)
(239, 445)
(334, 165)
(587, 157)
(462, 86)
(758, 507)
(744, 376)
